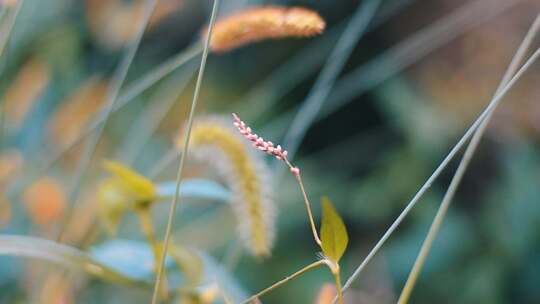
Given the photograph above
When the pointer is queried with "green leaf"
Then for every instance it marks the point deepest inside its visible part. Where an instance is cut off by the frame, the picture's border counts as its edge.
(334, 236)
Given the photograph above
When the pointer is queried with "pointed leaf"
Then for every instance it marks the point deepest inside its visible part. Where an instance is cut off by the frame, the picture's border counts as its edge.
(142, 186)
(334, 236)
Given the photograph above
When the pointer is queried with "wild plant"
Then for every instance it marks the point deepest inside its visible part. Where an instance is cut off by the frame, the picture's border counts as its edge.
(218, 160)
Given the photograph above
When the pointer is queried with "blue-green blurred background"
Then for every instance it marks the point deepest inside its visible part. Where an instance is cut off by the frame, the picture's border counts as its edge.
(417, 78)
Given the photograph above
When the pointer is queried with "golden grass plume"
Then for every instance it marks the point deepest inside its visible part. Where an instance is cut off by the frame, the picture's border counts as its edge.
(216, 143)
(264, 22)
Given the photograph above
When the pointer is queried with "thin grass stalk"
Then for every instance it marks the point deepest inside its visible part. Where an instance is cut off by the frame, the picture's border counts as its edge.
(310, 108)
(465, 160)
(183, 157)
(285, 280)
(494, 102)
(112, 94)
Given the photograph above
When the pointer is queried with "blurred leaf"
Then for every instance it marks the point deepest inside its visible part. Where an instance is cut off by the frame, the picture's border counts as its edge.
(334, 236)
(195, 188)
(131, 258)
(67, 256)
(136, 259)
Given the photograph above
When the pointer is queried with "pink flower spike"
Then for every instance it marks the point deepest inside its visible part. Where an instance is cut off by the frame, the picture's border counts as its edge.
(295, 171)
(258, 142)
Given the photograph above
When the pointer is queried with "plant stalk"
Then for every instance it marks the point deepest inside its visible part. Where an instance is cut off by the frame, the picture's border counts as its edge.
(285, 280)
(180, 170)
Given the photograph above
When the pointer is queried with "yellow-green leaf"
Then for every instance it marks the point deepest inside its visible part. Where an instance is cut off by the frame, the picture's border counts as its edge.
(334, 236)
(138, 184)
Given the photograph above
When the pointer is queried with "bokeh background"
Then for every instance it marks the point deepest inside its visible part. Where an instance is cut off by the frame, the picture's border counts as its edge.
(415, 81)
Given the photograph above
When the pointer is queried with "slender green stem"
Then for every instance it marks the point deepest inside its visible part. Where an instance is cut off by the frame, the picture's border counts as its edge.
(310, 213)
(307, 203)
(494, 102)
(454, 184)
(285, 280)
(187, 137)
(337, 277)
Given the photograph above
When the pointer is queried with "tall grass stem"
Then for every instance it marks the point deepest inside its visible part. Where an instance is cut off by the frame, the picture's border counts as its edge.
(183, 157)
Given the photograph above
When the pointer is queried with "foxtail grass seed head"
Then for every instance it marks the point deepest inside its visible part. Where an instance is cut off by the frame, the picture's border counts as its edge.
(262, 145)
(45, 201)
(215, 142)
(264, 22)
(124, 190)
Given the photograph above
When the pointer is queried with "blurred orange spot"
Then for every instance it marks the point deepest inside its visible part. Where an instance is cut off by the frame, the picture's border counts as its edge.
(76, 111)
(25, 90)
(116, 22)
(8, 3)
(45, 201)
(326, 294)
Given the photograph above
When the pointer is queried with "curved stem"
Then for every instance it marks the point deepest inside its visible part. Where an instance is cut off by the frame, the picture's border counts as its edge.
(337, 277)
(285, 280)
(307, 203)
(310, 213)
(184, 153)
